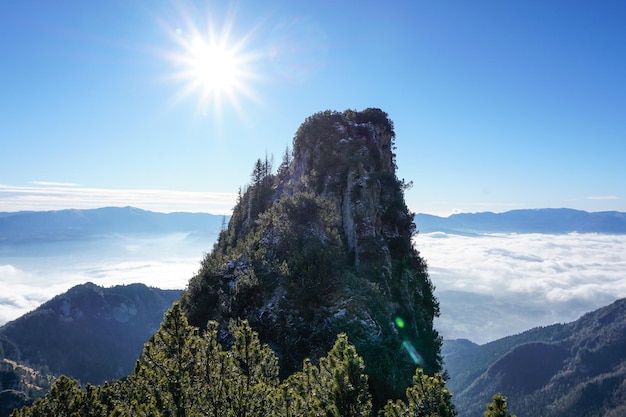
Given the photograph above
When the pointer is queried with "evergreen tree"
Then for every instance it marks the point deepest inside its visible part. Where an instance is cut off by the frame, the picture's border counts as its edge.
(338, 387)
(283, 168)
(167, 366)
(64, 399)
(498, 407)
(214, 370)
(301, 394)
(427, 397)
(344, 381)
(256, 373)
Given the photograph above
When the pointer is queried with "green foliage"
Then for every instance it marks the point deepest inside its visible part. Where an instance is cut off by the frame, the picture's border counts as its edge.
(184, 373)
(300, 231)
(255, 375)
(66, 398)
(343, 375)
(498, 407)
(167, 364)
(427, 397)
(338, 387)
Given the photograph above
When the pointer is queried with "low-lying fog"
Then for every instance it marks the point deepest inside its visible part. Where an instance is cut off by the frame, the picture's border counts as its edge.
(32, 274)
(493, 286)
(488, 286)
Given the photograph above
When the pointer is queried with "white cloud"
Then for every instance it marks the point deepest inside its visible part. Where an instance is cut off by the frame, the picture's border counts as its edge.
(494, 285)
(56, 184)
(57, 196)
(29, 276)
(603, 197)
(488, 286)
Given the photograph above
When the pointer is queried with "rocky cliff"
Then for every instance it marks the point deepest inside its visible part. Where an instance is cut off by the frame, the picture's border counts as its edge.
(324, 246)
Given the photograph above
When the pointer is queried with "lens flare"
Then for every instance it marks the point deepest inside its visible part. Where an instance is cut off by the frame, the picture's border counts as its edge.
(417, 359)
(407, 345)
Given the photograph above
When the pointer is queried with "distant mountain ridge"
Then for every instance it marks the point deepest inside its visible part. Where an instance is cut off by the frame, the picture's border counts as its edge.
(29, 226)
(573, 369)
(90, 333)
(548, 220)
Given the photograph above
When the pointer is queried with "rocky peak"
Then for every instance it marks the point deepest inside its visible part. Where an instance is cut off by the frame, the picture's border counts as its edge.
(348, 158)
(326, 245)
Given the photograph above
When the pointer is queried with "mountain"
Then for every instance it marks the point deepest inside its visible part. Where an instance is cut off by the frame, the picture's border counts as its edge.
(324, 247)
(90, 333)
(43, 226)
(574, 369)
(550, 221)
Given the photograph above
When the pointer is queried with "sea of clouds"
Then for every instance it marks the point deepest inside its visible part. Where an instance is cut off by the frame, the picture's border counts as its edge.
(488, 286)
(491, 286)
(32, 274)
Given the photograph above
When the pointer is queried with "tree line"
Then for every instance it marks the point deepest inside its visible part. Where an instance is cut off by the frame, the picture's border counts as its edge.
(184, 373)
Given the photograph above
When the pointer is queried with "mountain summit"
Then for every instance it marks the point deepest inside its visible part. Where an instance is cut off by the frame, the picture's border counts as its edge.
(322, 247)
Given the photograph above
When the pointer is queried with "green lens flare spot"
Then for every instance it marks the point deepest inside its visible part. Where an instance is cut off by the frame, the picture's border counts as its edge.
(400, 322)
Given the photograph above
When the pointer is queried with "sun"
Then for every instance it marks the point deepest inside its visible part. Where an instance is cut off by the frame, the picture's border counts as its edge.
(212, 67)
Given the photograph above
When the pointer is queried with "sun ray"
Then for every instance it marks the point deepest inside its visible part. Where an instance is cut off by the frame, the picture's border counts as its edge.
(212, 66)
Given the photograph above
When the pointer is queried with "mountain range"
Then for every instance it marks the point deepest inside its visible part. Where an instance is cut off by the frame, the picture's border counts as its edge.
(42, 226)
(547, 220)
(573, 369)
(58, 225)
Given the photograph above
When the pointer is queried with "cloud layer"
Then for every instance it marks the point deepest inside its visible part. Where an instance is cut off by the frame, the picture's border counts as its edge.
(31, 275)
(488, 286)
(496, 285)
(57, 196)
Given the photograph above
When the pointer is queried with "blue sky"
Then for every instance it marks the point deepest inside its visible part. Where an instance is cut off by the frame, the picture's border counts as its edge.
(497, 105)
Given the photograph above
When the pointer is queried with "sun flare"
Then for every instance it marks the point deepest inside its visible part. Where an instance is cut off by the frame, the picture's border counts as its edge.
(212, 68)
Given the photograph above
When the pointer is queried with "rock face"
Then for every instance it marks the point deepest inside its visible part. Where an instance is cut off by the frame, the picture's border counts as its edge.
(323, 247)
(347, 158)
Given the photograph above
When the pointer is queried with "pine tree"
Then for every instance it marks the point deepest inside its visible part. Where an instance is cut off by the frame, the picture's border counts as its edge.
(283, 168)
(427, 397)
(338, 387)
(64, 400)
(214, 368)
(301, 394)
(343, 377)
(167, 366)
(498, 407)
(256, 373)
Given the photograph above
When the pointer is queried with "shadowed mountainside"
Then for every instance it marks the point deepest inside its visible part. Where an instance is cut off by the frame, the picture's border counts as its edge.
(574, 369)
(90, 333)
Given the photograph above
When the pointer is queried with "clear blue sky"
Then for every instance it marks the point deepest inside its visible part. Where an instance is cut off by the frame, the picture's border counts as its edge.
(497, 104)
